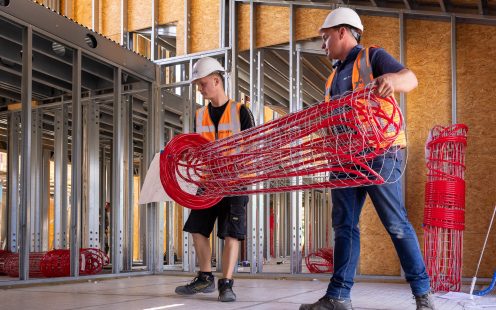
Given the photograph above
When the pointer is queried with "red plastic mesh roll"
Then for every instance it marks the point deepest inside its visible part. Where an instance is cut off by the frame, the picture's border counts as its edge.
(444, 213)
(55, 263)
(338, 138)
(320, 261)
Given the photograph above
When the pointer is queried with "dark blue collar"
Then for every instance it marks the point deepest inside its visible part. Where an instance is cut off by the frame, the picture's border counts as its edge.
(352, 55)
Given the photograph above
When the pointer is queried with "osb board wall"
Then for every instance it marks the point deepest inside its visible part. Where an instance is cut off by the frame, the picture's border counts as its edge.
(378, 255)
(476, 82)
(83, 12)
(308, 22)
(205, 25)
(172, 12)
(139, 14)
(111, 20)
(428, 105)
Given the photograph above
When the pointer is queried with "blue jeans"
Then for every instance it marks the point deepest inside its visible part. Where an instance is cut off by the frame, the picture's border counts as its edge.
(389, 205)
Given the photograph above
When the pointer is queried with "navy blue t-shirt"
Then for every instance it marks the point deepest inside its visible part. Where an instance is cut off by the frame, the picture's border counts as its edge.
(380, 61)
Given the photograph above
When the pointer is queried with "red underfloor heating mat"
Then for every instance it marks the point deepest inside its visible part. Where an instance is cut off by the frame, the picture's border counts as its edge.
(444, 213)
(55, 263)
(331, 144)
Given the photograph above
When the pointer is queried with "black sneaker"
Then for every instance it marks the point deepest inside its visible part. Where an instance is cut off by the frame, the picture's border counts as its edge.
(326, 303)
(425, 302)
(202, 283)
(226, 293)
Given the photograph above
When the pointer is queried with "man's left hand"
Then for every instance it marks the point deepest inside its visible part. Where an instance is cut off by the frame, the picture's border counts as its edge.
(384, 86)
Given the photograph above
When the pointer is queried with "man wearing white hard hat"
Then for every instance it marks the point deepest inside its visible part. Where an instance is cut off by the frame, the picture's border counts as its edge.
(221, 118)
(357, 67)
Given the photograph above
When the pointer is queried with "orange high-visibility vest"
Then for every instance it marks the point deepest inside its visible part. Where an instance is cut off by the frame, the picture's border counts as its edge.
(361, 76)
(229, 123)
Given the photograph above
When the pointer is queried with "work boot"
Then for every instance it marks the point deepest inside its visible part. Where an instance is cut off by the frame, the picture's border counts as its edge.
(425, 302)
(226, 293)
(202, 283)
(326, 303)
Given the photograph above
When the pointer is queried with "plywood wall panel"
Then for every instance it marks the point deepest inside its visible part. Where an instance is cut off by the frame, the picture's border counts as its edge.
(428, 105)
(83, 12)
(139, 14)
(476, 108)
(111, 20)
(204, 25)
(272, 26)
(308, 22)
(385, 33)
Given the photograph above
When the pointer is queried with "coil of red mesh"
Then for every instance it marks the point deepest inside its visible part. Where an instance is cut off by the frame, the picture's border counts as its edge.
(339, 138)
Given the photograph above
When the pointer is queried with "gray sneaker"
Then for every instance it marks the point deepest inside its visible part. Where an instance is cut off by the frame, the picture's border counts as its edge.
(326, 303)
(226, 293)
(201, 284)
(425, 302)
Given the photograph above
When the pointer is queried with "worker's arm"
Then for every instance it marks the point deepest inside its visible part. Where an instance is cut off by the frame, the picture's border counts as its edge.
(401, 81)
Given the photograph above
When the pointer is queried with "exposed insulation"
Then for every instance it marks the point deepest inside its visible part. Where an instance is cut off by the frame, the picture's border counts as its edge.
(83, 12)
(111, 19)
(476, 82)
(204, 25)
(428, 105)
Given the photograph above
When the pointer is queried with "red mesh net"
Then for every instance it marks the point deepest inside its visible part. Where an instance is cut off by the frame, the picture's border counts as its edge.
(331, 144)
(444, 214)
(320, 261)
(55, 263)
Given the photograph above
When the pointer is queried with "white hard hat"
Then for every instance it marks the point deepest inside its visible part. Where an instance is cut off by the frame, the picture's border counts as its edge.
(342, 16)
(204, 67)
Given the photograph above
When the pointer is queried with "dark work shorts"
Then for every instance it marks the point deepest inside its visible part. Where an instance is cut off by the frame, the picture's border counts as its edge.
(231, 215)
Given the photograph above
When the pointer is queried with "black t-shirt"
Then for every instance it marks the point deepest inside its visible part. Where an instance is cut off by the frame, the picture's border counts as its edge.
(245, 116)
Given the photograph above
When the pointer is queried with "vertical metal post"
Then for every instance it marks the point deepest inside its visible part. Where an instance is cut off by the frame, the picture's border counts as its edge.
(117, 175)
(454, 113)
(60, 178)
(36, 160)
(128, 184)
(76, 184)
(13, 189)
(45, 201)
(295, 105)
(154, 32)
(251, 240)
(233, 43)
(277, 221)
(189, 260)
(125, 35)
(223, 21)
(261, 197)
(169, 241)
(308, 235)
(103, 197)
(187, 26)
(26, 91)
(91, 176)
(95, 16)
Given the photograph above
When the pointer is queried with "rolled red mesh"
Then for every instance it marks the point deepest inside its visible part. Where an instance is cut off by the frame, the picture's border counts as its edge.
(331, 144)
(444, 213)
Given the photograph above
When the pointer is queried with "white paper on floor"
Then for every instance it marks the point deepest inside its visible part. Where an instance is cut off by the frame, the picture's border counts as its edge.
(469, 302)
(458, 296)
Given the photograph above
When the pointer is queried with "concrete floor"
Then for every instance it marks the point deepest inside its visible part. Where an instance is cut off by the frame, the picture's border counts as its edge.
(157, 292)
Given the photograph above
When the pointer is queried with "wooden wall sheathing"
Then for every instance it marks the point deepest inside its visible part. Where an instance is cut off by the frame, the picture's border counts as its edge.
(205, 25)
(111, 20)
(83, 12)
(429, 57)
(139, 14)
(476, 51)
(378, 254)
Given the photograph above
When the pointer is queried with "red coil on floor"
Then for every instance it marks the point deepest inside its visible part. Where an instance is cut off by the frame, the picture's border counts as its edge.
(320, 261)
(444, 213)
(55, 263)
(338, 138)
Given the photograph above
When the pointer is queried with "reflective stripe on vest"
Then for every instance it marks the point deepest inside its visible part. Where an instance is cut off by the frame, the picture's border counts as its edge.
(361, 76)
(229, 123)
